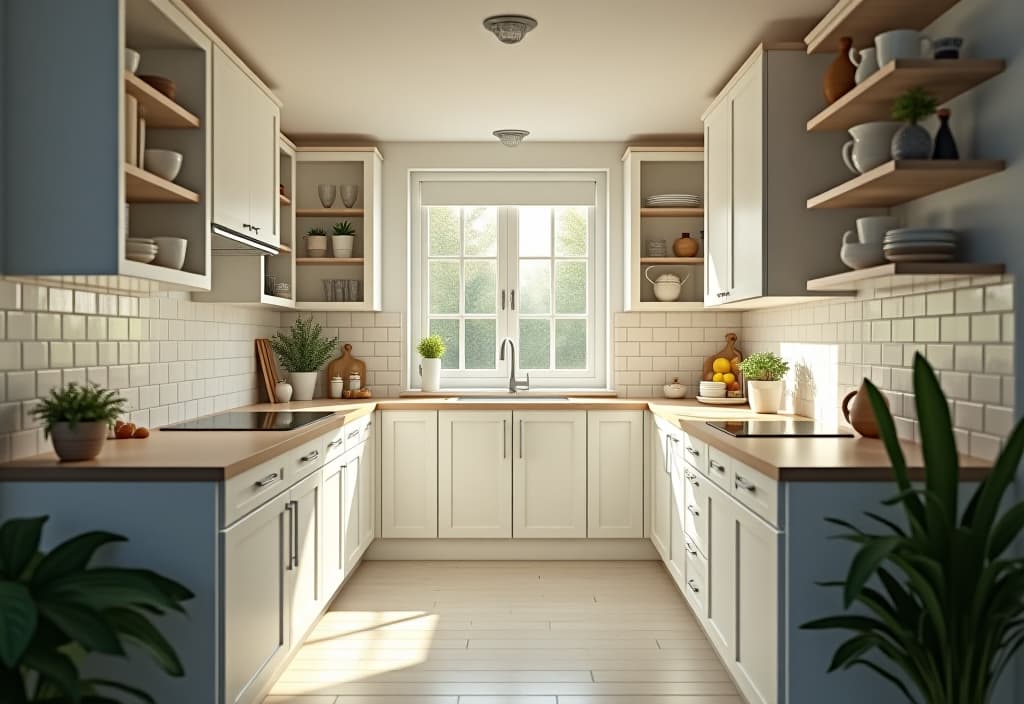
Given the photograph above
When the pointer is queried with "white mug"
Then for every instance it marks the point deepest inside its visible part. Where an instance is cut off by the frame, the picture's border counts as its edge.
(865, 61)
(872, 229)
(901, 44)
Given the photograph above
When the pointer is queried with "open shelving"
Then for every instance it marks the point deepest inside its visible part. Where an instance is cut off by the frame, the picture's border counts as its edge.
(671, 212)
(892, 274)
(284, 200)
(672, 260)
(141, 186)
(330, 212)
(158, 110)
(329, 261)
(863, 19)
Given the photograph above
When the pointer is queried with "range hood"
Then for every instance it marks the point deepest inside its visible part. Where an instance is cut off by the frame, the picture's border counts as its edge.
(232, 242)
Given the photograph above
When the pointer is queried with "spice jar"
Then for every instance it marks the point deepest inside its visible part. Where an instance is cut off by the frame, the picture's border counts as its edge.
(337, 386)
(355, 382)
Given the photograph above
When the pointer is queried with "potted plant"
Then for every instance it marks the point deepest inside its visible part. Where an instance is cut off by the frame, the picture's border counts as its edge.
(912, 141)
(316, 242)
(764, 372)
(302, 351)
(943, 613)
(344, 239)
(431, 349)
(57, 609)
(78, 419)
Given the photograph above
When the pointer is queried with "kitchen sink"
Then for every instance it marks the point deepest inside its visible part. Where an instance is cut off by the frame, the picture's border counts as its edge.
(509, 398)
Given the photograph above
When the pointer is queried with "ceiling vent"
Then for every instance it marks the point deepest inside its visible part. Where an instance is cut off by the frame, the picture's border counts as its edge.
(509, 29)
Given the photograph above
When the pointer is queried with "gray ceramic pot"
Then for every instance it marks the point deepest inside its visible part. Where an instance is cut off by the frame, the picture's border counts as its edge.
(83, 442)
(911, 142)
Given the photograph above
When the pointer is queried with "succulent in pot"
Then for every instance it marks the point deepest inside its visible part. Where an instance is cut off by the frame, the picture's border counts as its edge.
(344, 240)
(302, 351)
(764, 372)
(431, 349)
(78, 419)
(316, 242)
(912, 141)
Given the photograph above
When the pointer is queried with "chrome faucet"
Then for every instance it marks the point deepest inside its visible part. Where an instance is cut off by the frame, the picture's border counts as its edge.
(513, 383)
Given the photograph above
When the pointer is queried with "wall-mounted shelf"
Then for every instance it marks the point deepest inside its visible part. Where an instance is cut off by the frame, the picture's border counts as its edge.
(671, 212)
(897, 182)
(175, 278)
(140, 186)
(672, 260)
(159, 110)
(872, 99)
(891, 274)
(284, 248)
(863, 19)
(328, 261)
(284, 200)
(329, 212)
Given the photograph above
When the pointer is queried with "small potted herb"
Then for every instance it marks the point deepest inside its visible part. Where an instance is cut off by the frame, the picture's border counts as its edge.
(764, 372)
(316, 242)
(431, 349)
(302, 351)
(912, 141)
(344, 239)
(78, 419)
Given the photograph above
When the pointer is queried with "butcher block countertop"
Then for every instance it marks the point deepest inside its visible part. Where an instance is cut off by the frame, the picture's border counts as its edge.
(210, 456)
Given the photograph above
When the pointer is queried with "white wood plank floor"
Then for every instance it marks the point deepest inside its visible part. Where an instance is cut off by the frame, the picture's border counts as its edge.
(507, 633)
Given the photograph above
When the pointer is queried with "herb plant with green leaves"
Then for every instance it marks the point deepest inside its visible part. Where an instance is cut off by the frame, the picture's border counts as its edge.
(316, 232)
(431, 347)
(304, 348)
(74, 404)
(940, 597)
(344, 228)
(914, 105)
(764, 366)
(55, 608)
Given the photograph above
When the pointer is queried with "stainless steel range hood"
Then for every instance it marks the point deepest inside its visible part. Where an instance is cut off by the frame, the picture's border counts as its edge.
(232, 242)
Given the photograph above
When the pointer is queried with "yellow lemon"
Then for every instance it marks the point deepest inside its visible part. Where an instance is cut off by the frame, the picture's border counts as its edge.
(728, 377)
(717, 377)
(721, 365)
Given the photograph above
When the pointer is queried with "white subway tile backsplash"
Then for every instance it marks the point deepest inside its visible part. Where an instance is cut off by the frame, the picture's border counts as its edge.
(999, 298)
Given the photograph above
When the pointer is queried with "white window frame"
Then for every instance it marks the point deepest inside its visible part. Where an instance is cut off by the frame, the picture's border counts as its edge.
(597, 375)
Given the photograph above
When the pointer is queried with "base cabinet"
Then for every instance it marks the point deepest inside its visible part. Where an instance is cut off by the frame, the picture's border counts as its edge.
(721, 578)
(408, 467)
(661, 491)
(474, 474)
(333, 552)
(305, 588)
(615, 474)
(549, 474)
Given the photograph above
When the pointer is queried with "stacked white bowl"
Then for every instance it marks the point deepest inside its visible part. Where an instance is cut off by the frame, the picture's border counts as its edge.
(140, 249)
(712, 389)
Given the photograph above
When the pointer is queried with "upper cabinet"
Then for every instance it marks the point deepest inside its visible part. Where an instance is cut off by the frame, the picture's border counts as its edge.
(760, 239)
(245, 154)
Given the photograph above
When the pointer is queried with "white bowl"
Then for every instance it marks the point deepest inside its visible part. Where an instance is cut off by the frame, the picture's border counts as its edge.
(679, 392)
(861, 256)
(172, 252)
(163, 162)
(131, 60)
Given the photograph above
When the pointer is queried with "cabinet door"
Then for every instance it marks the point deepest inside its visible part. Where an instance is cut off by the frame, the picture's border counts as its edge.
(747, 261)
(232, 97)
(718, 162)
(549, 474)
(677, 541)
(256, 603)
(474, 474)
(367, 490)
(615, 474)
(721, 577)
(661, 492)
(264, 166)
(755, 652)
(351, 506)
(333, 552)
(408, 474)
(307, 597)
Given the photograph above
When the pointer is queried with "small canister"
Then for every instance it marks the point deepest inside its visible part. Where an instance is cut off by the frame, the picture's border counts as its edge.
(355, 382)
(337, 386)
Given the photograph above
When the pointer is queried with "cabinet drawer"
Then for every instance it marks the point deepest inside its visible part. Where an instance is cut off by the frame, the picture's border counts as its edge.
(757, 492)
(696, 579)
(348, 436)
(720, 468)
(695, 518)
(250, 489)
(695, 452)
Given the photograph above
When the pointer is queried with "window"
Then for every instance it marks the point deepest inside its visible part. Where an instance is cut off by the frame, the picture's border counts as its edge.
(526, 272)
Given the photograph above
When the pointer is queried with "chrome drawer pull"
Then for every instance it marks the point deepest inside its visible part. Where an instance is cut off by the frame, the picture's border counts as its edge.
(353, 434)
(693, 589)
(268, 480)
(742, 483)
(715, 465)
(333, 444)
(690, 549)
(674, 439)
(695, 453)
(693, 509)
(310, 457)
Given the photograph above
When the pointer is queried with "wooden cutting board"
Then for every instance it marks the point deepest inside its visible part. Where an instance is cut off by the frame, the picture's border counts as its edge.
(345, 365)
(730, 352)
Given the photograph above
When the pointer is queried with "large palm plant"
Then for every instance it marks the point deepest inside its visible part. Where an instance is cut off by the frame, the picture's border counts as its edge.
(941, 598)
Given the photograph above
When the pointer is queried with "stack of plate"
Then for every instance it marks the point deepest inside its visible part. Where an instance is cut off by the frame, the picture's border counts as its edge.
(674, 200)
(712, 389)
(920, 244)
(139, 249)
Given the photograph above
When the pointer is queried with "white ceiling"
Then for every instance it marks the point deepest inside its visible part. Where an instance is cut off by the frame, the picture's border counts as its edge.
(415, 70)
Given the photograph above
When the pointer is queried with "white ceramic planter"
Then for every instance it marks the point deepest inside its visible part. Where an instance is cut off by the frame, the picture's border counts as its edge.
(303, 385)
(83, 442)
(342, 245)
(765, 396)
(430, 372)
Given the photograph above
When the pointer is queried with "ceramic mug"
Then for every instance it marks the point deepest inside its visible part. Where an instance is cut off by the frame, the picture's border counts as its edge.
(870, 146)
(871, 230)
(865, 61)
(901, 44)
(947, 47)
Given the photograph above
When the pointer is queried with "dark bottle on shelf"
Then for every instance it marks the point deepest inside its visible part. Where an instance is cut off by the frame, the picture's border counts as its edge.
(945, 145)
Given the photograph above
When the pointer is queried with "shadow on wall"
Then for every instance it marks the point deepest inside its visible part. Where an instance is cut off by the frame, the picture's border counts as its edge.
(812, 385)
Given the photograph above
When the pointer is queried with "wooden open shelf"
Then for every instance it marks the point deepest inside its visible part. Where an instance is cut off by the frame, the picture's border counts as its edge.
(671, 212)
(891, 274)
(285, 200)
(321, 261)
(863, 19)
(329, 212)
(140, 186)
(872, 100)
(159, 110)
(897, 182)
(284, 249)
(671, 260)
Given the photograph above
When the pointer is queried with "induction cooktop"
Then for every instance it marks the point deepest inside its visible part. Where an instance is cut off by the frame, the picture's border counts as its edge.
(778, 429)
(252, 420)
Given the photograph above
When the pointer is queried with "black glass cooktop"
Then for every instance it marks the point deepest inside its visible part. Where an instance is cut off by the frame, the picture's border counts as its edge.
(252, 420)
(778, 429)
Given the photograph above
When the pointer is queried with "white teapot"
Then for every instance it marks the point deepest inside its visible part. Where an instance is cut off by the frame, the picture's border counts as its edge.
(667, 286)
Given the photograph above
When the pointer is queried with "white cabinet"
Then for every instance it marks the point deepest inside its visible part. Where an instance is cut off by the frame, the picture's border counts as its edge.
(615, 474)
(718, 242)
(549, 474)
(677, 538)
(408, 474)
(333, 552)
(245, 153)
(257, 561)
(720, 622)
(661, 491)
(474, 474)
(357, 506)
(304, 584)
(756, 648)
(367, 489)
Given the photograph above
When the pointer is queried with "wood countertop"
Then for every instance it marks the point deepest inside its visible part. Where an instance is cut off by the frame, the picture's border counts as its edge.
(212, 456)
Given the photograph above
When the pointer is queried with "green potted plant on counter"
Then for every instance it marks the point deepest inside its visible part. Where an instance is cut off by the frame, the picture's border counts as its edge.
(940, 593)
(431, 349)
(78, 419)
(55, 608)
(302, 351)
(764, 372)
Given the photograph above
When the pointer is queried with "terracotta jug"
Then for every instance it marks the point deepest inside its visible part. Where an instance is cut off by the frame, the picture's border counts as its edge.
(685, 246)
(859, 413)
(840, 78)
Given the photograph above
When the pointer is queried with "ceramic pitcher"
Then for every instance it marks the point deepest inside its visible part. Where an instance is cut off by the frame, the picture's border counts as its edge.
(866, 62)
(870, 146)
(859, 414)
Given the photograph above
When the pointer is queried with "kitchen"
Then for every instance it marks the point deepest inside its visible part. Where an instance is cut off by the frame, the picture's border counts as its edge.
(457, 537)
